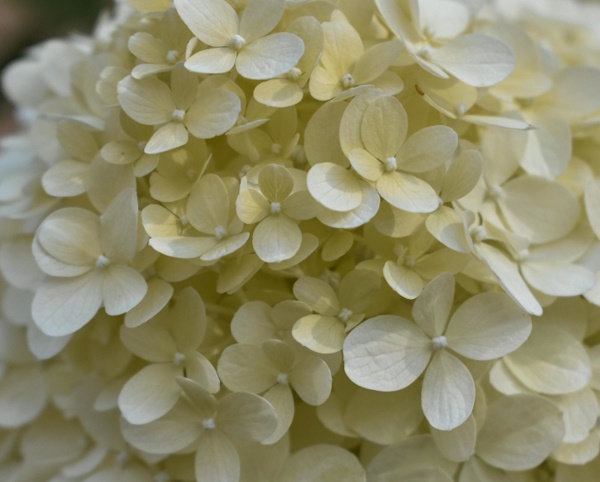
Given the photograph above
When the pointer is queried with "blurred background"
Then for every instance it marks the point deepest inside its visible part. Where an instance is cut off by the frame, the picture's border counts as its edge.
(26, 22)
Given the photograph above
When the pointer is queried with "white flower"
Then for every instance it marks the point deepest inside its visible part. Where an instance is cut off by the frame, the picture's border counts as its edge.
(388, 353)
(241, 41)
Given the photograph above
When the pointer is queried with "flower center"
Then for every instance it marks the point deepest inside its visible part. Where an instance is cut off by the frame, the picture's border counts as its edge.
(425, 52)
(220, 232)
(344, 315)
(162, 477)
(122, 458)
(142, 146)
(183, 219)
(178, 359)
(172, 56)
(348, 81)
(208, 424)
(178, 115)
(102, 261)
(390, 164)
(439, 342)
(294, 73)
(478, 234)
(495, 192)
(282, 378)
(275, 208)
(276, 149)
(409, 261)
(237, 42)
(461, 109)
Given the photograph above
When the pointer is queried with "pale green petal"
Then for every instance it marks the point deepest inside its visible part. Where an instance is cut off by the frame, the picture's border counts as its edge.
(457, 444)
(375, 415)
(519, 432)
(311, 380)
(551, 361)
(322, 463)
(118, 227)
(260, 17)
(216, 458)
(282, 400)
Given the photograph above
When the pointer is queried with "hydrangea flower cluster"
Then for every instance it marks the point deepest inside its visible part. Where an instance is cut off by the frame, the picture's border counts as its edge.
(304, 241)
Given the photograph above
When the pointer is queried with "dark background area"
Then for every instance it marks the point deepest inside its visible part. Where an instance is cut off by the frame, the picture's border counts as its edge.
(24, 23)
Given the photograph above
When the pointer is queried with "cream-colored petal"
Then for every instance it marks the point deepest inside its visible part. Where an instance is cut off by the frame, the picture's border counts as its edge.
(244, 367)
(167, 138)
(383, 127)
(278, 93)
(122, 289)
(246, 416)
(118, 227)
(432, 308)
(488, 326)
(276, 238)
(427, 149)
(407, 192)
(62, 307)
(65, 179)
(208, 205)
(448, 393)
(282, 400)
(150, 393)
(403, 280)
(538, 209)
(214, 22)
(214, 113)
(260, 17)
(386, 353)
(157, 296)
(148, 101)
(318, 295)
(321, 334)
(489, 60)
(457, 444)
(270, 56)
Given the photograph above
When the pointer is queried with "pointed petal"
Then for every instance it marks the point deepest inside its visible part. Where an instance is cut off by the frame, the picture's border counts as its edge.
(383, 127)
(167, 138)
(212, 21)
(432, 308)
(122, 289)
(321, 334)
